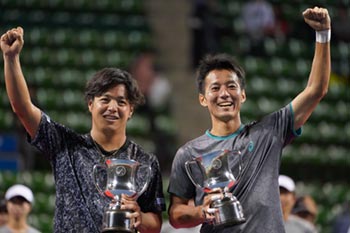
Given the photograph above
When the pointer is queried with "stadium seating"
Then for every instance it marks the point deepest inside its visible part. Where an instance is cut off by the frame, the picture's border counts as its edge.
(67, 41)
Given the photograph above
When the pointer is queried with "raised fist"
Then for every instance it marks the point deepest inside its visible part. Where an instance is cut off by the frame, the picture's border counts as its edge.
(317, 18)
(12, 41)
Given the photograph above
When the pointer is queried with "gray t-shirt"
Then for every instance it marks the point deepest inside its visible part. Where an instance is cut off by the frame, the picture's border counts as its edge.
(296, 224)
(5, 229)
(260, 144)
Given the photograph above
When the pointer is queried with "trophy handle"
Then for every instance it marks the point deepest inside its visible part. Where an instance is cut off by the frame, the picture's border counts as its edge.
(237, 178)
(96, 168)
(148, 175)
(188, 171)
(240, 164)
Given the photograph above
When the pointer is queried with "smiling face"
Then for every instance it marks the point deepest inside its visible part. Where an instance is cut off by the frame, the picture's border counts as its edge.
(111, 111)
(222, 96)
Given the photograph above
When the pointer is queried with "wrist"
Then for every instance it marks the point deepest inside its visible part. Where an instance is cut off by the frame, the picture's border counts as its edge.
(11, 56)
(323, 36)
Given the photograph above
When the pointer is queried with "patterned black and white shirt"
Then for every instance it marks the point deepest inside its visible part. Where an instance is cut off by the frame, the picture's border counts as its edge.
(79, 205)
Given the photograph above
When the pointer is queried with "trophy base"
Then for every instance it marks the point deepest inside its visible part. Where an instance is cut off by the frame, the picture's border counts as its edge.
(117, 230)
(229, 212)
(230, 222)
(116, 221)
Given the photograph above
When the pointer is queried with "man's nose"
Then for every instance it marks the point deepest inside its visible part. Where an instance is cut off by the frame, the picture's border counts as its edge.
(113, 104)
(223, 92)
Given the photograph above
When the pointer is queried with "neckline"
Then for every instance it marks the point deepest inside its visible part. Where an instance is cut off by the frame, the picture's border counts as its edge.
(103, 151)
(109, 154)
(234, 134)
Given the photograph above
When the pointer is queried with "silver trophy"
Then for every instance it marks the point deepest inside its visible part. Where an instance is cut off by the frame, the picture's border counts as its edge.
(114, 178)
(215, 170)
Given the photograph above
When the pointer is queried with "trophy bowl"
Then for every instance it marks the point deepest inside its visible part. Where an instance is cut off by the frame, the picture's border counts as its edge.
(120, 178)
(215, 170)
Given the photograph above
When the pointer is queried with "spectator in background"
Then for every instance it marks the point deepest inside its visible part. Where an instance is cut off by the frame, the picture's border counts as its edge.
(206, 29)
(305, 214)
(152, 84)
(287, 196)
(282, 27)
(3, 212)
(156, 89)
(305, 207)
(341, 24)
(296, 210)
(341, 222)
(19, 201)
(259, 21)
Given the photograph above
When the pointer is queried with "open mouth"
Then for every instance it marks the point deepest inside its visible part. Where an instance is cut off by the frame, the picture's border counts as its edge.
(226, 104)
(110, 117)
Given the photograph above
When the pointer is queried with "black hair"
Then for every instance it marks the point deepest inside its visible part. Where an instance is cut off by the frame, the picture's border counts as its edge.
(3, 208)
(218, 62)
(108, 78)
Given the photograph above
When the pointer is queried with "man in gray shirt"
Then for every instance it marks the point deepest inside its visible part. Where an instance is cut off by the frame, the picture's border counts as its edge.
(221, 88)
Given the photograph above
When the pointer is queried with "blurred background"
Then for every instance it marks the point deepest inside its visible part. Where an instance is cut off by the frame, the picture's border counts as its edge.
(160, 43)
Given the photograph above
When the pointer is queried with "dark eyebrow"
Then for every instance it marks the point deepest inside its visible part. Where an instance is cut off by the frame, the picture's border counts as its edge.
(232, 81)
(215, 83)
(114, 97)
(228, 82)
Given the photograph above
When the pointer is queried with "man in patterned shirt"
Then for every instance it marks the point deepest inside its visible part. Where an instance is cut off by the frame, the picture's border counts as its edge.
(111, 95)
(221, 87)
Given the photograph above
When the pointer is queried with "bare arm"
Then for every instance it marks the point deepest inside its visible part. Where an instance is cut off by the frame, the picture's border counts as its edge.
(184, 214)
(17, 90)
(151, 222)
(317, 86)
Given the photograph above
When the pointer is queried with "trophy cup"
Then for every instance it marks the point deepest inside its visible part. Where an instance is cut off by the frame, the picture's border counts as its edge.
(114, 178)
(213, 171)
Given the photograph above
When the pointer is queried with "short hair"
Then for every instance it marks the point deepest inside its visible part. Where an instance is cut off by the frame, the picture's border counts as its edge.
(218, 62)
(3, 208)
(107, 78)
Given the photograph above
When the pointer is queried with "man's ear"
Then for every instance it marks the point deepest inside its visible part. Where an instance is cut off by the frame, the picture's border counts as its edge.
(131, 112)
(243, 96)
(202, 100)
(90, 105)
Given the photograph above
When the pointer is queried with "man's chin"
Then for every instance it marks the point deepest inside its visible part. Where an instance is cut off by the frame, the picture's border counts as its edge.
(226, 117)
(110, 128)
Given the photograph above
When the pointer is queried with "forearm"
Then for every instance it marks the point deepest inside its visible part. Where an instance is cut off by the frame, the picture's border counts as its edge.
(151, 222)
(320, 72)
(19, 96)
(317, 86)
(16, 86)
(185, 216)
